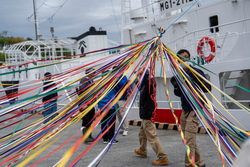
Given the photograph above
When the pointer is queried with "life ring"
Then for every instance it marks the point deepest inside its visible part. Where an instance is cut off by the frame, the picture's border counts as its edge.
(212, 46)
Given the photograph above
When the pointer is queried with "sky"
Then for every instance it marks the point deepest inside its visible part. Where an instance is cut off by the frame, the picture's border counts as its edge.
(74, 18)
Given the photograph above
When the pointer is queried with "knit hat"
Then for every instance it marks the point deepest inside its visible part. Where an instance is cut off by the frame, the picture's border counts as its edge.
(47, 74)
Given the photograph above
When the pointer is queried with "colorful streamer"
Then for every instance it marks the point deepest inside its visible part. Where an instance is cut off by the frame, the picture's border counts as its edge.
(24, 143)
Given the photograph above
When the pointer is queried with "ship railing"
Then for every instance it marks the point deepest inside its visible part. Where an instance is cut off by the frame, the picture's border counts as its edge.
(161, 104)
(228, 103)
(241, 101)
(165, 104)
(177, 104)
(31, 51)
(38, 50)
(27, 49)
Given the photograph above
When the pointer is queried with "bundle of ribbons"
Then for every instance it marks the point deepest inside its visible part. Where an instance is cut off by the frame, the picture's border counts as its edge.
(24, 143)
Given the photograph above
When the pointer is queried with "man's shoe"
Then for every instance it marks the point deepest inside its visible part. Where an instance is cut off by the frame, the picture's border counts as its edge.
(138, 151)
(121, 131)
(125, 133)
(89, 140)
(161, 162)
(91, 137)
(105, 141)
(203, 165)
(115, 142)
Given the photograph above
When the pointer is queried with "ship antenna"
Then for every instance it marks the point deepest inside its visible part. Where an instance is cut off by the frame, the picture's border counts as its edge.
(36, 20)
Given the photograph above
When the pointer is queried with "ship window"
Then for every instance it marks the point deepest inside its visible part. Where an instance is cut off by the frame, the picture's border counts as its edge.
(214, 22)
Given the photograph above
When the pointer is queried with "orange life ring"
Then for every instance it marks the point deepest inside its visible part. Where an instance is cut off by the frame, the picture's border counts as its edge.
(212, 45)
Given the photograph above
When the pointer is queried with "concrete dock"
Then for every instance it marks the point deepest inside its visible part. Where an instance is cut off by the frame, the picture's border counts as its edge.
(122, 153)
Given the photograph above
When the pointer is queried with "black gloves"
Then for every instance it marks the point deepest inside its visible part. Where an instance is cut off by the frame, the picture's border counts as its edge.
(174, 82)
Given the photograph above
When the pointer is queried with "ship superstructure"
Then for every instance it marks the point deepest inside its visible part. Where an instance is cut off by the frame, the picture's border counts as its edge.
(216, 32)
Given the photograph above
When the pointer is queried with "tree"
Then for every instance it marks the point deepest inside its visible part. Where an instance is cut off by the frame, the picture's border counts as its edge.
(13, 40)
(2, 57)
(29, 39)
(10, 40)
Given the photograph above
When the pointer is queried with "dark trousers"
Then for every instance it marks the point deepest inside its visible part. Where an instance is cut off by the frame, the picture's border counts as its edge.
(88, 118)
(110, 133)
(52, 107)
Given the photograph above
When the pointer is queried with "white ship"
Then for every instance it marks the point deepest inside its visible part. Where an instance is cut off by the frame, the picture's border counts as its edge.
(216, 32)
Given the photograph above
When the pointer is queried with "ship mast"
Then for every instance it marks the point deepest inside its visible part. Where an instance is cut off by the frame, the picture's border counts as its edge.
(36, 21)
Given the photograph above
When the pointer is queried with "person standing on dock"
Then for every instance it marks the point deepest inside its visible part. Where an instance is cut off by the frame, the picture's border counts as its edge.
(189, 121)
(103, 103)
(148, 130)
(89, 117)
(120, 113)
(50, 100)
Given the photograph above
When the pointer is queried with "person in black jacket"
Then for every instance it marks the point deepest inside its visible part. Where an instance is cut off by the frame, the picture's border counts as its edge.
(88, 119)
(50, 100)
(189, 121)
(148, 129)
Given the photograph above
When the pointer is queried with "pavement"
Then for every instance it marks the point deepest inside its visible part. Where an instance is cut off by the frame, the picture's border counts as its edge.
(122, 153)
